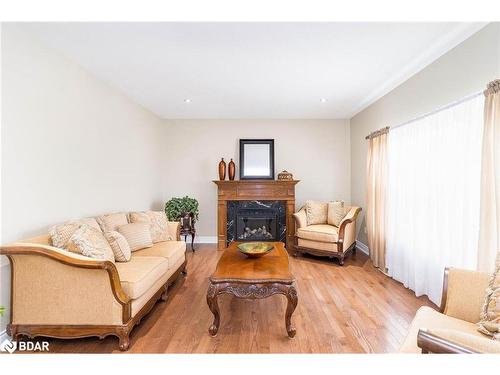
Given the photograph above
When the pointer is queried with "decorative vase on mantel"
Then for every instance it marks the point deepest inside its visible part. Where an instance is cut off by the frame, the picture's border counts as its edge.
(232, 170)
(222, 170)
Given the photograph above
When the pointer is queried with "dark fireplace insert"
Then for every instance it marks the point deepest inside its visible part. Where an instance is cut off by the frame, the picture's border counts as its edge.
(256, 221)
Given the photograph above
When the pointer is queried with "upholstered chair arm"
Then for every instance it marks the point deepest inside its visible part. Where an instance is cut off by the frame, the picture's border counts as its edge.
(300, 218)
(347, 228)
(463, 293)
(44, 277)
(444, 341)
(174, 229)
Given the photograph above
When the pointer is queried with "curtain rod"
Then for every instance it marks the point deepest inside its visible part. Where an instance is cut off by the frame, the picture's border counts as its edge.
(447, 106)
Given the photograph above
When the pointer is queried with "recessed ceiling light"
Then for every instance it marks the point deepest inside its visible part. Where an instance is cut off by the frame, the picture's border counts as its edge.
(322, 100)
(187, 101)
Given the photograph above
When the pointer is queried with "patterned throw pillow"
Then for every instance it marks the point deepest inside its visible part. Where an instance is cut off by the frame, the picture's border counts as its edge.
(137, 235)
(61, 233)
(90, 242)
(157, 221)
(111, 222)
(119, 245)
(490, 316)
(316, 212)
(90, 221)
(336, 213)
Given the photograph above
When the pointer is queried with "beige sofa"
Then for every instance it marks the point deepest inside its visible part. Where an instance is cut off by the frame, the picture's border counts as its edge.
(325, 239)
(453, 329)
(61, 294)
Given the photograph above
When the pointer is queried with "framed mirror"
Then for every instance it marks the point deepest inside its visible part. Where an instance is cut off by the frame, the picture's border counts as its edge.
(256, 159)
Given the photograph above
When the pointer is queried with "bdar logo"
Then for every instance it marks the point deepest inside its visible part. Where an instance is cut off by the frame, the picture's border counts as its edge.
(24, 346)
(8, 346)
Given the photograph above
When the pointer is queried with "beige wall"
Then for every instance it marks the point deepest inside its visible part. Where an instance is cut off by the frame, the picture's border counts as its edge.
(315, 151)
(462, 71)
(71, 146)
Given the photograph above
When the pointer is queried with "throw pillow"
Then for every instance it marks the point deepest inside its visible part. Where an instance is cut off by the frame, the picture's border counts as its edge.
(137, 235)
(316, 212)
(111, 222)
(490, 316)
(90, 242)
(119, 245)
(336, 213)
(157, 221)
(61, 233)
(90, 221)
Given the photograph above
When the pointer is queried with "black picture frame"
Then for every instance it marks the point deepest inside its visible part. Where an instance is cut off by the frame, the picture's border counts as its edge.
(244, 173)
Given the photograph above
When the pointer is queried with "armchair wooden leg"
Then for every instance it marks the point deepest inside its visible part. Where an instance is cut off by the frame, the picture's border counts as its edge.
(341, 260)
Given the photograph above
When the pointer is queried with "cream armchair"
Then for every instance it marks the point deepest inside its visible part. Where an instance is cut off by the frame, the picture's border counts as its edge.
(325, 239)
(453, 329)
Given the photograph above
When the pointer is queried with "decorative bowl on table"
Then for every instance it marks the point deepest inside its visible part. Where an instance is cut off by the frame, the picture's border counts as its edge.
(255, 249)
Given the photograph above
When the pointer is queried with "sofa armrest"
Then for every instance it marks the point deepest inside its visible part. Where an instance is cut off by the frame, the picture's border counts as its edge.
(463, 293)
(300, 218)
(347, 227)
(174, 229)
(35, 264)
(454, 341)
(432, 343)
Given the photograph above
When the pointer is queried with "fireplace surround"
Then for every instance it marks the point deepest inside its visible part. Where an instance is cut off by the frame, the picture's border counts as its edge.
(278, 195)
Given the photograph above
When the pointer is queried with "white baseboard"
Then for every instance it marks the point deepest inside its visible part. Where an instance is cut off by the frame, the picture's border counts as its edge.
(204, 239)
(362, 247)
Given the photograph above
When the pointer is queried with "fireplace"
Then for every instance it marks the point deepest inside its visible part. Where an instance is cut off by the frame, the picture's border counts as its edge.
(255, 195)
(255, 220)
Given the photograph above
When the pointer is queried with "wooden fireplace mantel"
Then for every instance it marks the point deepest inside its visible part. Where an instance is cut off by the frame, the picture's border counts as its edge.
(255, 190)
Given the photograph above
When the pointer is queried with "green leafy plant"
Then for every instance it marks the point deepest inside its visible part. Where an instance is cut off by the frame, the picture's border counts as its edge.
(2, 310)
(175, 208)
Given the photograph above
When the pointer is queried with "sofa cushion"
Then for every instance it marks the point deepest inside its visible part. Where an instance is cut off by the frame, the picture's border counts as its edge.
(119, 245)
(157, 221)
(490, 315)
(336, 213)
(324, 246)
(428, 318)
(90, 242)
(111, 222)
(319, 232)
(171, 250)
(316, 212)
(137, 235)
(138, 275)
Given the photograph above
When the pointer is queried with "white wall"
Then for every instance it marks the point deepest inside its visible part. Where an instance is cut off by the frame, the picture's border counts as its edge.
(315, 151)
(71, 145)
(464, 70)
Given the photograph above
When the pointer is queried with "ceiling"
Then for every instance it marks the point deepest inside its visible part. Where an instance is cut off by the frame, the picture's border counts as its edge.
(253, 70)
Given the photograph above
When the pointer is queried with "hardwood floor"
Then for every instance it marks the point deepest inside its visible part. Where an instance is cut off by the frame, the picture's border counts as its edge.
(349, 309)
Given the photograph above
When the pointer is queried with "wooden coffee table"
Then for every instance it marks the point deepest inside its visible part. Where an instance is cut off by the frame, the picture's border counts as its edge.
(249, 278)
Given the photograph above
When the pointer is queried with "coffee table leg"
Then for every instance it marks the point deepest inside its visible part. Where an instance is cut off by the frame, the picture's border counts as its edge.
(291, 296)
(214, 308)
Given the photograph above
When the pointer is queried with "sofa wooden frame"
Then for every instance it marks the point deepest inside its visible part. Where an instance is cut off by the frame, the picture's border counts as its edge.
(340, 254)
(78, 331)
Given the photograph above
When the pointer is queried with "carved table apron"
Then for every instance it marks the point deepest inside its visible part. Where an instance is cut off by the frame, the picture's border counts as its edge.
(249, 290)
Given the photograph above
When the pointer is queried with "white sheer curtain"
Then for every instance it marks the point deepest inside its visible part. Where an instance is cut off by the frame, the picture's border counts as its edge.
(434, 167)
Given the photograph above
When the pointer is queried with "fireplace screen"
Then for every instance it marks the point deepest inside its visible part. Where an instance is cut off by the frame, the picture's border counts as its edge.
(255, 225)
(256, 221)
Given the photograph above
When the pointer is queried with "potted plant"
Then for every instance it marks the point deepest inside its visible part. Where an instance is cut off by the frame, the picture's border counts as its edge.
(176, 208)
(2, 310)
